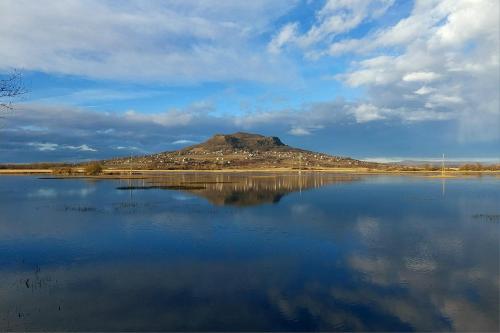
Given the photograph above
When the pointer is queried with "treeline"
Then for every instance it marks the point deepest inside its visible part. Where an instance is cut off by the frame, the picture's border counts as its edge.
(479, 167)
(434, 167)
(463, 167)
(89, 169)
(31, 166)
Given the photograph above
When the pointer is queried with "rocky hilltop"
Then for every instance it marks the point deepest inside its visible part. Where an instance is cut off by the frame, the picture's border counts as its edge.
(238, 141)
(237, 151)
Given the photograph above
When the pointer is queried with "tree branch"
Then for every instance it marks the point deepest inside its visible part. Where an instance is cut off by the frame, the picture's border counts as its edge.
(11, 87)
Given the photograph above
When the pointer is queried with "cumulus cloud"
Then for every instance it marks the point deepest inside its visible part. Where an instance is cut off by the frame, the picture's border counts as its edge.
(284, 36)
(49, 146)
(424, 90)
(83, 147)
(299, 131)
(367, 112)
(44, 146)
(45, 132)
(55, 132)
(440, 62)
(420, 77)
(334, 18)
(174, 41)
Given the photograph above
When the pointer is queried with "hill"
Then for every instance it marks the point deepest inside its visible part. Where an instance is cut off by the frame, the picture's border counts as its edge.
(240, 189)
(237, 151)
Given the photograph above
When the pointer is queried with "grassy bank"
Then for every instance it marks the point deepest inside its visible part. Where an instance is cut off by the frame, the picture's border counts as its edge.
(136, 173)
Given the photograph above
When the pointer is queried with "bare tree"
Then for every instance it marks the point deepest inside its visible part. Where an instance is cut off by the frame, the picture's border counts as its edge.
(11, 86)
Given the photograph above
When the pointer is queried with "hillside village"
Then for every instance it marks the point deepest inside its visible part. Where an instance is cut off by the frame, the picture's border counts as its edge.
(237, 151)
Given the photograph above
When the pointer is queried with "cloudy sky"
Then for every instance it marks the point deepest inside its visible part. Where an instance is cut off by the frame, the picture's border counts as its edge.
(368, 79)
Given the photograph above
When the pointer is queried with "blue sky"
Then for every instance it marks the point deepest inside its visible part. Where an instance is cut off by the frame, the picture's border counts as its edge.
(368, 79)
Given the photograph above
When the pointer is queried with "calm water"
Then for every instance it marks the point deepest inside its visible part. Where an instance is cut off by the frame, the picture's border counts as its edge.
(250, 252)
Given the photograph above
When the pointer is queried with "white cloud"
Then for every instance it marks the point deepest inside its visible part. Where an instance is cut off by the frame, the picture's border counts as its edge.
(183, 142)
(466, 21)
(80, 148)
(48, 146)
(126, 148)
(174, 41)
(441, 62)
(334, 18)
(284, 36)
(299, 131)
(44, 146)
(343, 47)
(424, 90)
(367, 112)
(420, 77)
(440, 99)
(444, 56)
(72, 134)
(172, 117)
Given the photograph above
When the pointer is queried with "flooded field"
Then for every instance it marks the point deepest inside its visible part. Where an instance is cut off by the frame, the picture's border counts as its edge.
(270, 252)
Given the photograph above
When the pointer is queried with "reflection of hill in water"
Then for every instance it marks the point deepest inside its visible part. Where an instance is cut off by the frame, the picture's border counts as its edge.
(246, 189)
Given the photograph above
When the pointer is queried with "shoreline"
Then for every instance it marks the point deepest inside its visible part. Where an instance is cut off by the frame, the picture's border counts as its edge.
(138, 173)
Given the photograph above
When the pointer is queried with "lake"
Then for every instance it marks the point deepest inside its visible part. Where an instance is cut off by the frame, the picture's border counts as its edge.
(254, 252)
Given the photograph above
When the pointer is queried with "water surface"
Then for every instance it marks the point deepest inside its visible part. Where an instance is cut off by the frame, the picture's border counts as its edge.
(250, 252)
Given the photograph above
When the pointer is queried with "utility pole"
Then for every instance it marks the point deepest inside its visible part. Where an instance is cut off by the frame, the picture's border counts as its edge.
(130, 178)
(300, 173)
(130, 165)
(442, 166)
(300, 163)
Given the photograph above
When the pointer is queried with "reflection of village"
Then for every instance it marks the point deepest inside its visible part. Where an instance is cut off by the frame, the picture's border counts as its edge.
(244, 189)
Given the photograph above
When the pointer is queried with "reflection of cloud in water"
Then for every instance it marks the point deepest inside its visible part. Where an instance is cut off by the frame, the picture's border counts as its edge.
(376, 269)
(182, 197)
(441, 282)
(301, 208)
(81, 192)
(53, 192)
(254, 295)
(43, 193)
(420, 265)
(144, 295)
(341, 258)
(369, 229)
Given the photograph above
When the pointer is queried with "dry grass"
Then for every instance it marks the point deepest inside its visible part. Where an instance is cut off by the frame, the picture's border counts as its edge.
(93, 169)
(25, 171)
(96, 171)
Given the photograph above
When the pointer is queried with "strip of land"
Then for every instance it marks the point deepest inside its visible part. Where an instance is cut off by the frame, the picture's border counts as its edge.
(239, 153)
(140, 173)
